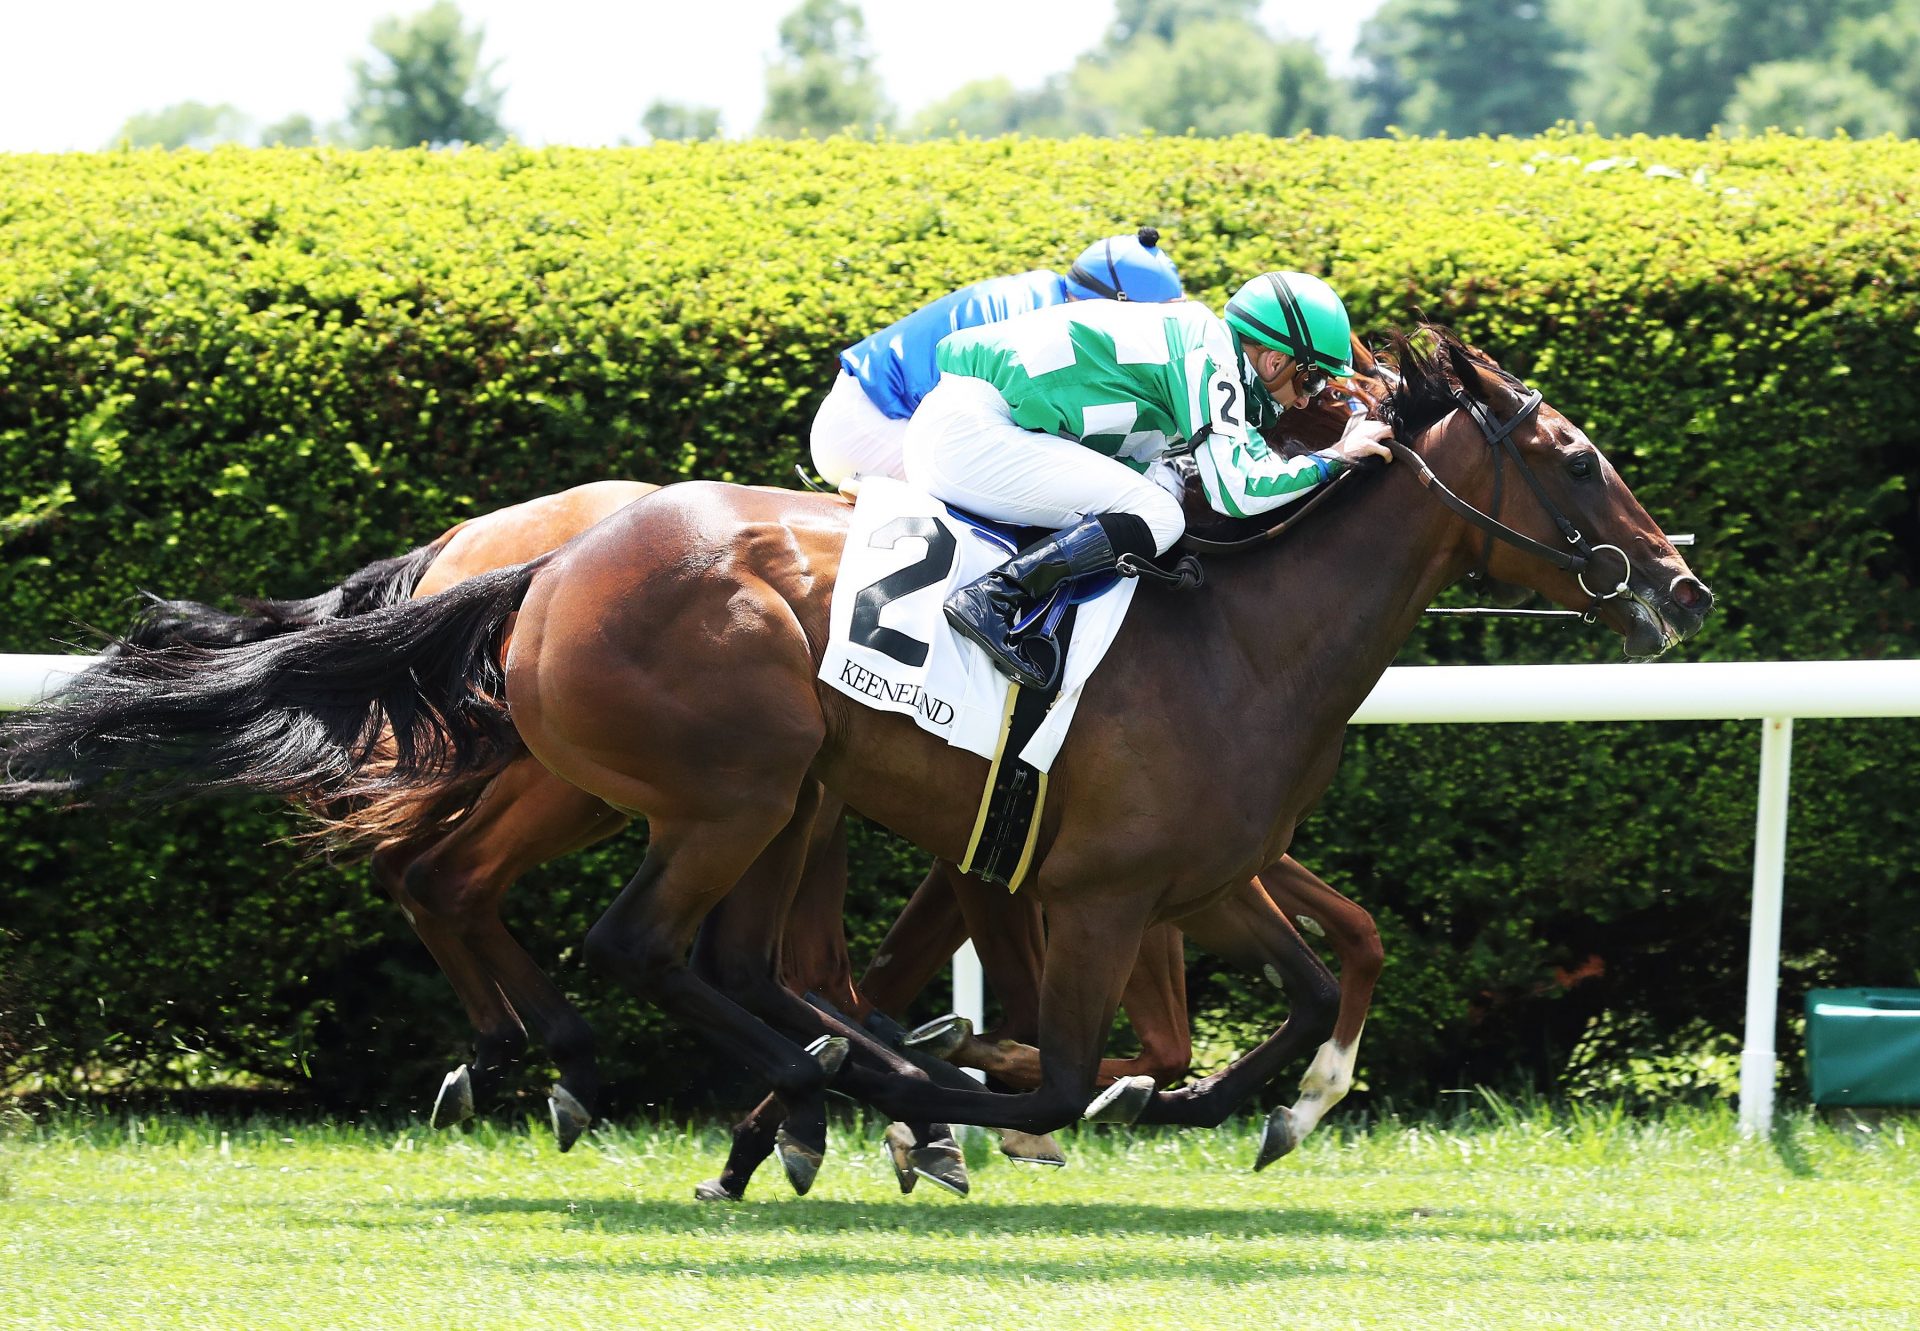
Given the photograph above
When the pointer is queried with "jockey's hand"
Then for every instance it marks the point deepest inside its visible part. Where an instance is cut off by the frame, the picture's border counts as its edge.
(1363, 439)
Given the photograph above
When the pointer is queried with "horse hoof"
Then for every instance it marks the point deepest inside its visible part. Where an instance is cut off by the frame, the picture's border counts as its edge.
(1120, 1102)
(570, 1117)
(713, 1190)
(942, 1164)
(802, 1162)
(899, 1152)
(1025, 1148)
(454, 1104)
(942, 1036)
(1276, 1138)
(831, 1050)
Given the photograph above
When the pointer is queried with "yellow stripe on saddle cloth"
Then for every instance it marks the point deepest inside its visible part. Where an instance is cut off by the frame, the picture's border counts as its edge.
(1008, 824)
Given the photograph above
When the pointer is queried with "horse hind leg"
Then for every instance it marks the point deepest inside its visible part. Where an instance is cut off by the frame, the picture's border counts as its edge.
(644, 939)
(1355, 940)
(498, 1036)
(525, 818)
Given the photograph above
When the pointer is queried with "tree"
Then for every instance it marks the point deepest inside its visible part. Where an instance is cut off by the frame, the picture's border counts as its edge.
(1885, 46)
(296, 131)
(1214, 77)
(426, 84)
(1815, 96)
(1163, 20)
(989, 107)
(665, 121)
(1464, 67)
(1305, 95)
(1675, 66)
(184, 125)
(823, 78)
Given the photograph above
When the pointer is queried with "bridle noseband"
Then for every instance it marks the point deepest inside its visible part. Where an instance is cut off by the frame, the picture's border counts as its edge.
(1499, 437)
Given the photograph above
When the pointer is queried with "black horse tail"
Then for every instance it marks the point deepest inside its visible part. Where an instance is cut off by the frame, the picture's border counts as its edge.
(388, 702)
(164, 623)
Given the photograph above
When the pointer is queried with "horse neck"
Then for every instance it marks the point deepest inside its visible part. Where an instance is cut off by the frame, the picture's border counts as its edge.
(1328, 613)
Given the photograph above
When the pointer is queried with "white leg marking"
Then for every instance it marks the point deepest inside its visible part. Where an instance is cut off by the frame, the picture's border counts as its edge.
(1328, 1079)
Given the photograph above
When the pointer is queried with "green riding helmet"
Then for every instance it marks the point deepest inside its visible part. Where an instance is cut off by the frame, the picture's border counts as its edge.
(1296, 313)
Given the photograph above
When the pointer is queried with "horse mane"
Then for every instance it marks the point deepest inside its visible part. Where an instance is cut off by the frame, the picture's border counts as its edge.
(1433, 365)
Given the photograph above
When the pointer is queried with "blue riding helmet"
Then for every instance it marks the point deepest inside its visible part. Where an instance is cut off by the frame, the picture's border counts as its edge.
(1124, 268)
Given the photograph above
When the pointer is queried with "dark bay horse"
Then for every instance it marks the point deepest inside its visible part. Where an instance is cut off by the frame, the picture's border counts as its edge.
(449, 880)
(663, 662)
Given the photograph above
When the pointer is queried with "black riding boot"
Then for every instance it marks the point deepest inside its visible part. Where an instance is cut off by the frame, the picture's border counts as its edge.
(986, 610)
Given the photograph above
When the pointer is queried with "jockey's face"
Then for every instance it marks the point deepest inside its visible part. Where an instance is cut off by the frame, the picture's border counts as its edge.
(1292, 383)
(1277, 374)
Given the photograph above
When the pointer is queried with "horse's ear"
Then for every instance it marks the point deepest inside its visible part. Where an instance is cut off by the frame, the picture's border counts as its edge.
(1363, 360)
(1477, 373)
(1465, 368)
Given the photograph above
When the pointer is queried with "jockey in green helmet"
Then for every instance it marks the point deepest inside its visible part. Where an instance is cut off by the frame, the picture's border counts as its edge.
(1055, 418)
(1296, 314)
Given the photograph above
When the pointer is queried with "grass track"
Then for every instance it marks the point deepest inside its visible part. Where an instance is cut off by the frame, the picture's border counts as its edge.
(1497, 1220)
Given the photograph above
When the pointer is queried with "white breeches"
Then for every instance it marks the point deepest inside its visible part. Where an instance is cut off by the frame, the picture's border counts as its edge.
(963, 447)
(852, 435)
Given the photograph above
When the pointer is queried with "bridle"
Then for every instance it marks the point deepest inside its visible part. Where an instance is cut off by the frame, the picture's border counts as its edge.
(1499, 437)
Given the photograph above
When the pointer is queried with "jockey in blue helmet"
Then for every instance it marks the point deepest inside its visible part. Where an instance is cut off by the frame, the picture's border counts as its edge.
(861, 425)
(1124, 268)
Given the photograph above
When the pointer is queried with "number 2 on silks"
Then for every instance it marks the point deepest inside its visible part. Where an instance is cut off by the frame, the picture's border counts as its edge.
(931, 568)
(1228, 393)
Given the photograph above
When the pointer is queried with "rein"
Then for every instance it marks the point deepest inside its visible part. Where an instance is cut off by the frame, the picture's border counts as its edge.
(1499, 437)
(1200, 545)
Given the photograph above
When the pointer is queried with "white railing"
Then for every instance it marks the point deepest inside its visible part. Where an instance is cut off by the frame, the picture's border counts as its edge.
(1771, 692)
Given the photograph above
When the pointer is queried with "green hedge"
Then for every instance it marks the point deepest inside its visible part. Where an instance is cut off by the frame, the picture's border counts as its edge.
(253, 371)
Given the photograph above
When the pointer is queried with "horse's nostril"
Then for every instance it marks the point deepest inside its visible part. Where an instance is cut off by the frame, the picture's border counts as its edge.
(1689, 593)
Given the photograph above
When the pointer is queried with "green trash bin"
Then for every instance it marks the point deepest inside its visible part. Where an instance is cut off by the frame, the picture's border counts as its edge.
(1863, 1046)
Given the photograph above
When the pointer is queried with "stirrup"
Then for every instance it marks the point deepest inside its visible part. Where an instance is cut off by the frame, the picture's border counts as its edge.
(1186, 574)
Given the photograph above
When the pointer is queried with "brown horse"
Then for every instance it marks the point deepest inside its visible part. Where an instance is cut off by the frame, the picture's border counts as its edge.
(717, 585)
(664, 663)
(449, 880)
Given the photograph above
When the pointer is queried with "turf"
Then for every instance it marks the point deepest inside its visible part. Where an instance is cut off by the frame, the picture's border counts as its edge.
(1496, 1219)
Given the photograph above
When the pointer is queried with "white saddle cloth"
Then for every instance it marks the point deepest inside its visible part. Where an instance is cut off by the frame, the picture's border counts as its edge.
(891, 647)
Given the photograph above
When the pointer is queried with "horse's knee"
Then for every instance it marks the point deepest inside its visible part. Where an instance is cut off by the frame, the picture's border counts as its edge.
(1364, 956)
(1167, 1062)
(742, 976)
(447, 893)
(626, 955)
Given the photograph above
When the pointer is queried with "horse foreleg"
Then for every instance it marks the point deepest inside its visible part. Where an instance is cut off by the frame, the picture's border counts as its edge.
(918, 946)
(1088, 946)
(1246, 929)
(1009, 935)
(1355, 940)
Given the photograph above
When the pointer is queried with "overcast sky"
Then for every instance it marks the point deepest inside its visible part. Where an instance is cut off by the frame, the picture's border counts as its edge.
(575, 71)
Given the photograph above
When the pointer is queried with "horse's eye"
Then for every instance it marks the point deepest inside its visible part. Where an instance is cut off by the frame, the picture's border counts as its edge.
(1581, 465)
